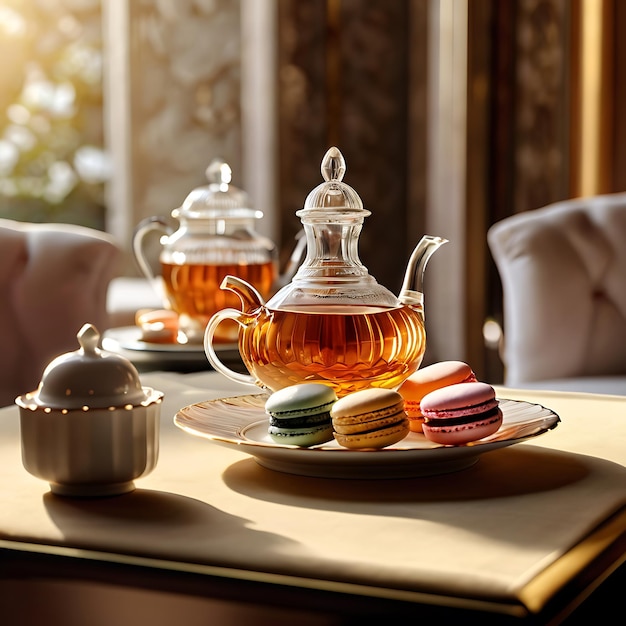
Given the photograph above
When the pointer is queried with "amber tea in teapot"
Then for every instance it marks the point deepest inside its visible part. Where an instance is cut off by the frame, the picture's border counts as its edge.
(351, 348)
(193, 290)
(333, 323)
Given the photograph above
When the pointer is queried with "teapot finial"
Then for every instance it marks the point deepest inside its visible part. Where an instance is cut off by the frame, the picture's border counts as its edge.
(219, 173)
(333, 165)
(332, 199)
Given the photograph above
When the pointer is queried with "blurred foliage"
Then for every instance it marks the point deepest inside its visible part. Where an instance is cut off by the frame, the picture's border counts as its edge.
(52, 163)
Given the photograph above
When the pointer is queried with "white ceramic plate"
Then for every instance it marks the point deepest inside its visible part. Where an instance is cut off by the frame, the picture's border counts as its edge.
(241, 422)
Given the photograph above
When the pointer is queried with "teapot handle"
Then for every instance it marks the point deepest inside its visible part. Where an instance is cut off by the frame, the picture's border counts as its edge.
(209, 350)
(144, 227)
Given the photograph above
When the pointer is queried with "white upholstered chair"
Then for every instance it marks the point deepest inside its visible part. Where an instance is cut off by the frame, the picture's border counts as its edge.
(53, 279)
(563, 273)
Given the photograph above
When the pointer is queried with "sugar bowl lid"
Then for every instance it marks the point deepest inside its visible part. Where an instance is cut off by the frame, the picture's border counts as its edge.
(89, 378)
(220, 199)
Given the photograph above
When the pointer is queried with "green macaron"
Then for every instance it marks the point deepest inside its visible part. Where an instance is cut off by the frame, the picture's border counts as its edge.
(299, 415)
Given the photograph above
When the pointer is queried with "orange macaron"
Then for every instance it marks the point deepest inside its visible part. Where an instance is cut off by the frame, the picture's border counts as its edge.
(429, 379)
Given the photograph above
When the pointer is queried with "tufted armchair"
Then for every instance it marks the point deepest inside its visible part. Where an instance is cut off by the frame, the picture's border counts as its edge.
(563, 273)
(53, 279)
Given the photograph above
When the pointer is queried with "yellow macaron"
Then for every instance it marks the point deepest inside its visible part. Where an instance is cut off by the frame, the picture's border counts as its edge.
(370, 418)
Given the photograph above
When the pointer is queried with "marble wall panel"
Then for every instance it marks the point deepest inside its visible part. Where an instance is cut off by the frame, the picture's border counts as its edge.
(185, 60)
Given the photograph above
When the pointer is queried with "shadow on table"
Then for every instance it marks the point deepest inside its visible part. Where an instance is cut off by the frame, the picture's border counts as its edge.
(499, 474)
(156, 524)
(516, 497)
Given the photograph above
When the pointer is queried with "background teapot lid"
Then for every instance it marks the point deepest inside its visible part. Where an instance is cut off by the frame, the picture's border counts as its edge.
(218, 199)
(333, 195)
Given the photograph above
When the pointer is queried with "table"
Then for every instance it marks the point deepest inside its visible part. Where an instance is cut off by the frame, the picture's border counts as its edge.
(524, 536)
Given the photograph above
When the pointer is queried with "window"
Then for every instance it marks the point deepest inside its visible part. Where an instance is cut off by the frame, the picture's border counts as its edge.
(52, 162)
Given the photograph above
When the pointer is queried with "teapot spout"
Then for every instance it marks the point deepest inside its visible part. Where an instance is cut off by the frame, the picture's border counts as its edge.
(251, 299)
(412, 292)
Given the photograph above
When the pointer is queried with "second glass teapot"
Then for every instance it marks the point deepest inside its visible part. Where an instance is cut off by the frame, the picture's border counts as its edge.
(216, 237)
(333, 323)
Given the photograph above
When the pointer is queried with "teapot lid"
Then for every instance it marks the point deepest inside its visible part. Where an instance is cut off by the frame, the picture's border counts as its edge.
(219, 199)
(89, 378)
(333, 197)
(332, 273)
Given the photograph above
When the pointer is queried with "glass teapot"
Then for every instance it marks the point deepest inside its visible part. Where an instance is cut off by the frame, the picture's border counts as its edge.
(215, 238)
(333, 323)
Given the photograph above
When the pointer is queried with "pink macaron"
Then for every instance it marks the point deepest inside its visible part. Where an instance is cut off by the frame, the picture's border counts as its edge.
(459, 414)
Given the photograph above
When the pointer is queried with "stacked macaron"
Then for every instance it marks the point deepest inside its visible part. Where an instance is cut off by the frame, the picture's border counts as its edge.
(300, 415)
(462, 413)
(370, 418)
(429, 379)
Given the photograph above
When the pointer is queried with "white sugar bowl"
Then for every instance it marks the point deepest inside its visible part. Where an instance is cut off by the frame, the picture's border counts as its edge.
(90, 428)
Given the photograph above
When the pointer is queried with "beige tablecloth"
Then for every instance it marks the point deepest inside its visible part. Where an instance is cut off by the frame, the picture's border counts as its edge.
(488, 532)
